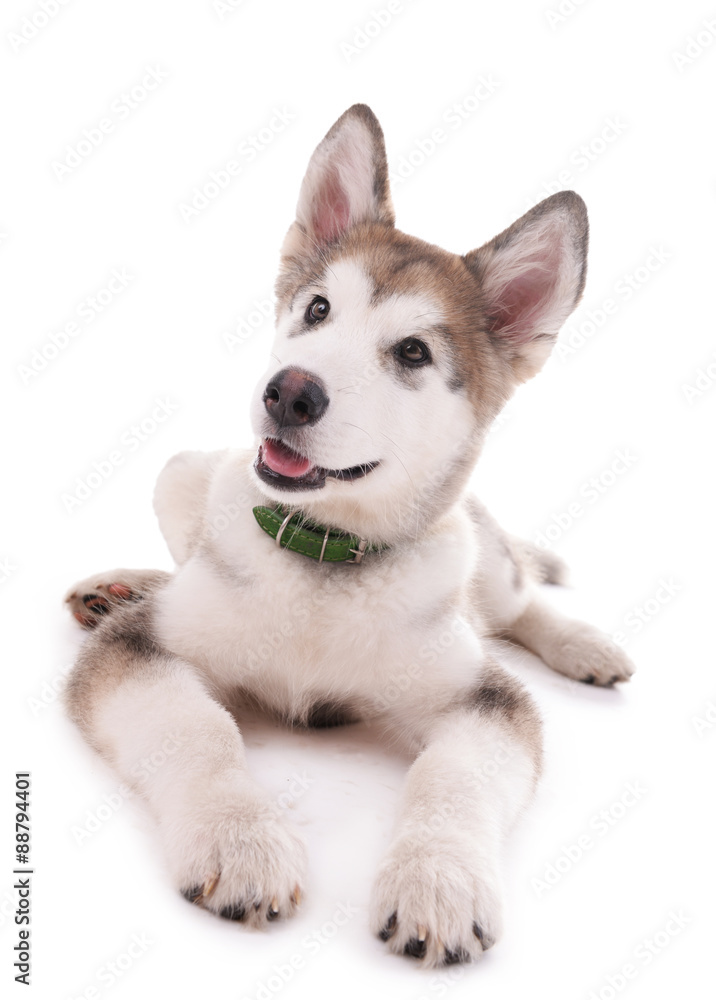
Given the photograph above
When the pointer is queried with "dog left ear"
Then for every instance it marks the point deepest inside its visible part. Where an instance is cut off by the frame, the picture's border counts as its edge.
(346, 183)
(531, 277)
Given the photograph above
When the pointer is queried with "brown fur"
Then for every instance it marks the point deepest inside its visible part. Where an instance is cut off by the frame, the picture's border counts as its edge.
(499, 695)
(400, 264)
(122, 646)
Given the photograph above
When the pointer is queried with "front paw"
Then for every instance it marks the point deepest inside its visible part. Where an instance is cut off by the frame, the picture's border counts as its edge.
(238, 858)
(437, 901)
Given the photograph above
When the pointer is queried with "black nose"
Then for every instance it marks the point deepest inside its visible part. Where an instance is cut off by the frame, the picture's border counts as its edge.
(294, 398)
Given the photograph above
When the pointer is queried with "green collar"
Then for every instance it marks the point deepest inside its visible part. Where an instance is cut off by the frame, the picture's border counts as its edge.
(323, 544)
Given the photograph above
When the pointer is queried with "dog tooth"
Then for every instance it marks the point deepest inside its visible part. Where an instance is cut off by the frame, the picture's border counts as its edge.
(209, 886)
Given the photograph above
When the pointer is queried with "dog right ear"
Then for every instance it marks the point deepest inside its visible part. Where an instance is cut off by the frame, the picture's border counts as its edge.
(346, 183)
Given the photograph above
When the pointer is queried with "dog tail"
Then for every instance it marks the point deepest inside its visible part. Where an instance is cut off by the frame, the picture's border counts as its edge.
(543, 565)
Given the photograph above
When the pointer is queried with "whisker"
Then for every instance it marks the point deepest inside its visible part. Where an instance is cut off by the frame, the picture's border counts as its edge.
(388, 438)
(346, 423)
(404, 468)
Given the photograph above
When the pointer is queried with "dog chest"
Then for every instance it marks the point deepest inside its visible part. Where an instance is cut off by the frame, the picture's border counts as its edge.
(285, 625)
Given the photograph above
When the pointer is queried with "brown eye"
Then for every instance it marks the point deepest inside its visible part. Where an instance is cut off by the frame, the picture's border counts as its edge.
(414, 352)
(317, 310)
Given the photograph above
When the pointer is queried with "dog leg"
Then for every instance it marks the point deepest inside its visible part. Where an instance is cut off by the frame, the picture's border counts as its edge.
(506, 595)
(179, 498)
(570, 647)
(437, 896)
(226, 843)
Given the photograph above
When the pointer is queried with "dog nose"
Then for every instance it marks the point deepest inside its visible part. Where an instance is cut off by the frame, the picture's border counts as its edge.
(294, 398)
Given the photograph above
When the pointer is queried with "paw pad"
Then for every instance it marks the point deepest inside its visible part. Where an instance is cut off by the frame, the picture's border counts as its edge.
(89, 606)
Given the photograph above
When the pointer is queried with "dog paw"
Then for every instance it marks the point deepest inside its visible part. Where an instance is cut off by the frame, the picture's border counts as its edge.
(588, 655)
(91, 599)
(438, 901)
(237, 858)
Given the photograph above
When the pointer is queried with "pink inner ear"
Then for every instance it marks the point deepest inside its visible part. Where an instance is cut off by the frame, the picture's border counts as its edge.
(526, 298)
(331, 212)
(522, 304)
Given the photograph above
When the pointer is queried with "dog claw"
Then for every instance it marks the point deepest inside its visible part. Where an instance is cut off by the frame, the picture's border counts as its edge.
(209, 886)
(96, 603)
(296, 896)
(193, 895)
(389, 929)
(415, 948)
(422, 933)
(484, 939)
(457, 957)
(272, 912)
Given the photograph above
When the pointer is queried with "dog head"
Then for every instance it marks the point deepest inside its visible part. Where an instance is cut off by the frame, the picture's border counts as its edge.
(392, 357)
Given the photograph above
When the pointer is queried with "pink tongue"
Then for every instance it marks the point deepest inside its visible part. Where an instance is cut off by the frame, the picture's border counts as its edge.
(284, 461)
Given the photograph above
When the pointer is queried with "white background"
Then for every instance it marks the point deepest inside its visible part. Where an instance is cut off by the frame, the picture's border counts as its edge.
(649, 185)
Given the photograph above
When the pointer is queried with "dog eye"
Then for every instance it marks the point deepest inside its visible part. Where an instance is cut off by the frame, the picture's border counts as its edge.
(413, 352)
(317, 310)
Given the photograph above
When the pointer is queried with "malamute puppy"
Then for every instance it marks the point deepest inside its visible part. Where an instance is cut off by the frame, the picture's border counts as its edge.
(339, 570)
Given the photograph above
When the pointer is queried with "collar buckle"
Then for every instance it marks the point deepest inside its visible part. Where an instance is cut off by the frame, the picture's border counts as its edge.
(358, 553)
(281, 530)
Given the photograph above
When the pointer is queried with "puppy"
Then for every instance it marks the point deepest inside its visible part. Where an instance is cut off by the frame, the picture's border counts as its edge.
(339, 571)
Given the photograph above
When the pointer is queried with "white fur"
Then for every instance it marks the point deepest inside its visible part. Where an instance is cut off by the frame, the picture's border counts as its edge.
(398, 638)
(341, 618)
(241, 616)
(371, 417)
(443, 871)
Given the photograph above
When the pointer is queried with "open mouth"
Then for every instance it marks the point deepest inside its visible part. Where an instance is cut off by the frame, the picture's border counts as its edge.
(278, 465)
